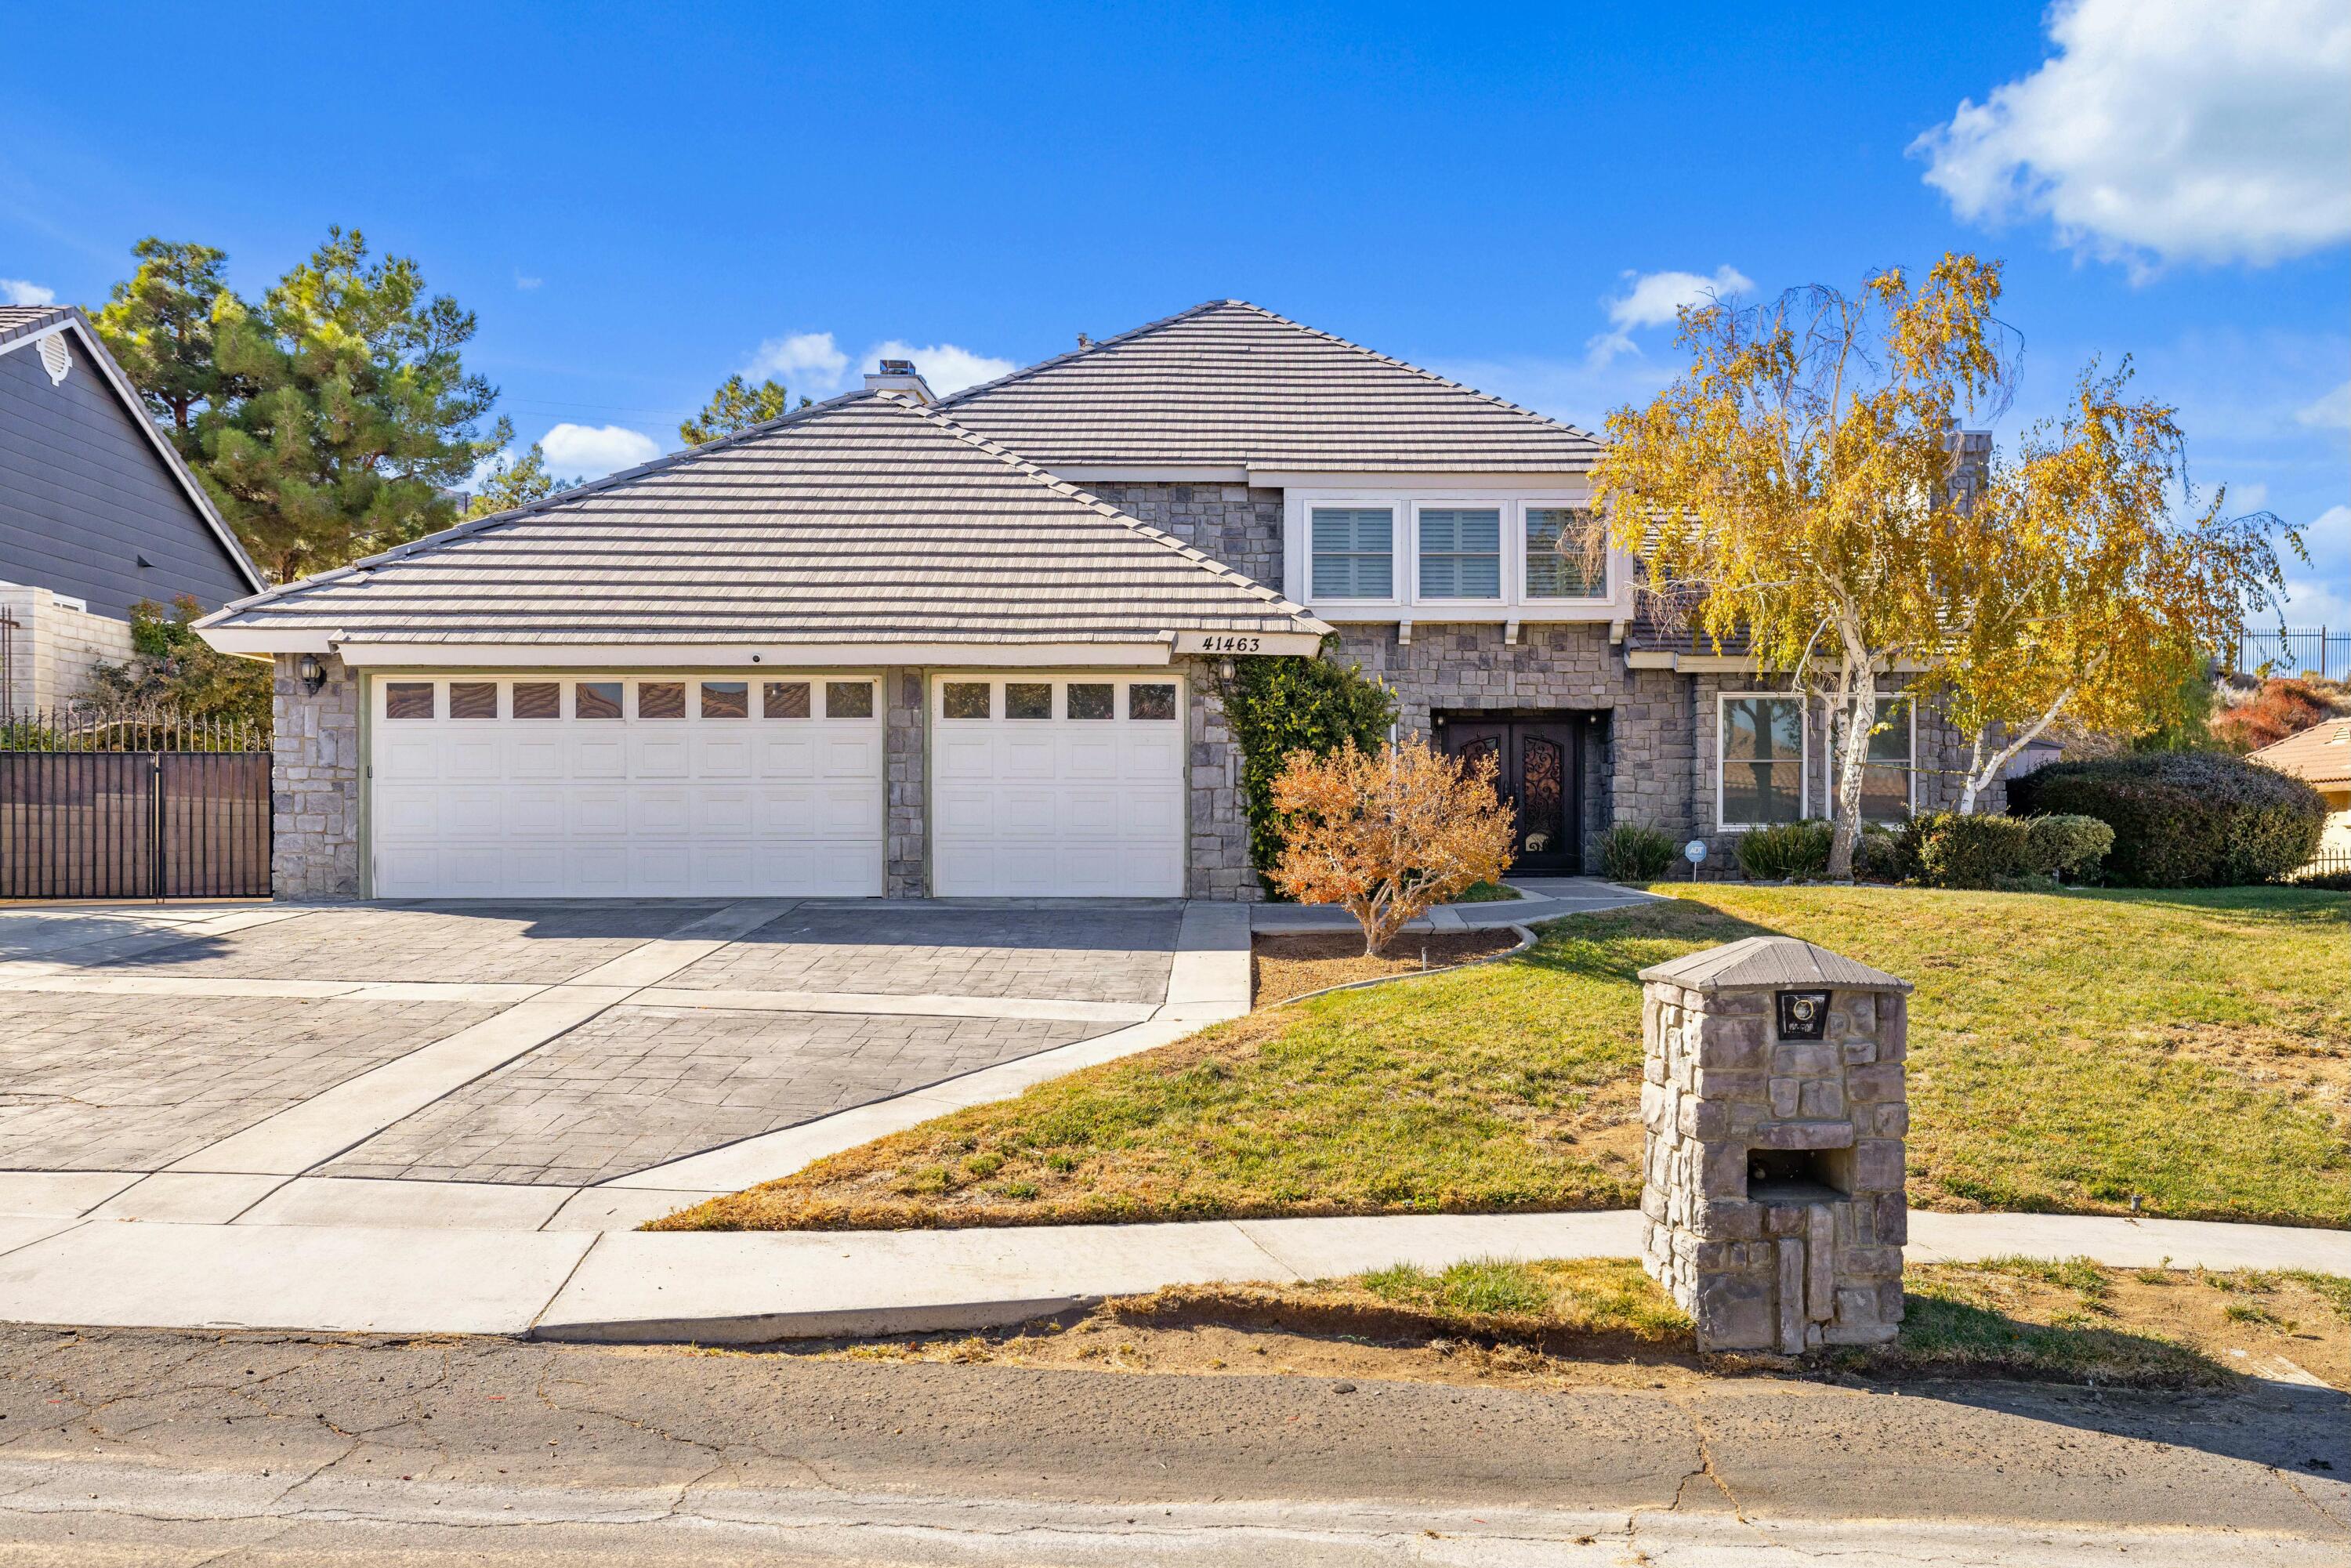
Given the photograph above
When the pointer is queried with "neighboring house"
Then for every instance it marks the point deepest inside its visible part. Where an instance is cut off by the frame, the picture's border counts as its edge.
(97, 511)
(894, 644)
(2321, 758)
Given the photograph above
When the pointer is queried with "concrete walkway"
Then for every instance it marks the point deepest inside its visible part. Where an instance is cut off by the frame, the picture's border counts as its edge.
(621, 1286)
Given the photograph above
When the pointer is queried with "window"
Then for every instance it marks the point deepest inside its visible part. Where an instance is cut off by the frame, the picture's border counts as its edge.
(1760, 748)
(848, 699)
(1885, 779)
(661, 699)
(1353, 549)
(1556, 567)
(596, 699)
(1154, 701)
(473, 699)
(537, 699)
(1460, 553)
(408, 699)
(725, 699)
(1089, 700)
(1028, 699)
(965, 699)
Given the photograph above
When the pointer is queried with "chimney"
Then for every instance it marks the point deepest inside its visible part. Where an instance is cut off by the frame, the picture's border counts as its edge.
(899, 376)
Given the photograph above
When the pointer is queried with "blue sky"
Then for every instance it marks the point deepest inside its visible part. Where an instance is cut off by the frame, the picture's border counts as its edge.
(638, 205)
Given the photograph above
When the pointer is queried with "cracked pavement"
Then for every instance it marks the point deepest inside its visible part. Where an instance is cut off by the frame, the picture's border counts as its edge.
(146, 1447)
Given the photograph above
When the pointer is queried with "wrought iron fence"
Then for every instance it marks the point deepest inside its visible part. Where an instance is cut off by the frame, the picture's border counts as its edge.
(2326, 862)
(2293, 651)
(98, 803)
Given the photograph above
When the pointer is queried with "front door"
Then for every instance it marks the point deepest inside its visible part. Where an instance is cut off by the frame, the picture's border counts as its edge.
(1535, 769)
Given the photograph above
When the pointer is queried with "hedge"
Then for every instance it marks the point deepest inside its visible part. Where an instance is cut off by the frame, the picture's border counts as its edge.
(2197, 819)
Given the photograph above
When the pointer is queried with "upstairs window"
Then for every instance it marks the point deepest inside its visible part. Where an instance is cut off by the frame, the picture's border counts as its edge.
(1354, 552)
(1556, 566)
(1461, 552)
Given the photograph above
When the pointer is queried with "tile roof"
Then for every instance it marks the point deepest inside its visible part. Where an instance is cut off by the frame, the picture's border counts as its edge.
(19, 321)
(1227, 384)
(2319, 754)
(863, 519)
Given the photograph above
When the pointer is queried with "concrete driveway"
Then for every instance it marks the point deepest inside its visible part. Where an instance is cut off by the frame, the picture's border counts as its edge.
(559, 1065)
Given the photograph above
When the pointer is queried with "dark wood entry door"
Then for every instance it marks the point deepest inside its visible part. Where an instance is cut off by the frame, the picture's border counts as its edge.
(1537, 769)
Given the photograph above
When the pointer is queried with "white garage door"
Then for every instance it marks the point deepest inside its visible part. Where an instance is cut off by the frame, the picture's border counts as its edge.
(554, 786)
(1061, 786)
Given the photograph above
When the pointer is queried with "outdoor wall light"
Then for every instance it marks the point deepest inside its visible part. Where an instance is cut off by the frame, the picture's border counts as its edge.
(1803, 1015)
(313, 674)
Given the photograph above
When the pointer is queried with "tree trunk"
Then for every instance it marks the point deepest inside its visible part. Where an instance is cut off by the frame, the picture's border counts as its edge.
(1983, 770)
(1857, 707)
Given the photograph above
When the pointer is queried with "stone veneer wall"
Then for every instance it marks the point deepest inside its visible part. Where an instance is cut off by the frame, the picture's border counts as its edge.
(1219, 856)
(907, 765)
(1230, 523)
(315, 785)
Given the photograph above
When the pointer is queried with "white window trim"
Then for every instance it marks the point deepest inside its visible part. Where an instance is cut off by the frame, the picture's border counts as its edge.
(1910, 771)
(1504, 529)
(1406, 504)
(1804, 767)
(1059, 680)
(1400, 527)
(1535, 502)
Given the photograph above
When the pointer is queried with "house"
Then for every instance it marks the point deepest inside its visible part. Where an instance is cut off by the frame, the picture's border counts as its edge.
(97, 511)
(903, 645)
(2321, 758)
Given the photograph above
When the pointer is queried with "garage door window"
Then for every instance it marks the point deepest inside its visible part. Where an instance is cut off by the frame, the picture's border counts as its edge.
(784, 699)
(537, 699)
(1151, 702)
(848, 699)
(1092, 701)
(661, 699)
(961, 699)
(473, 699)
(408, 699)
(725, 699)
(1028, 699)
(596, 699)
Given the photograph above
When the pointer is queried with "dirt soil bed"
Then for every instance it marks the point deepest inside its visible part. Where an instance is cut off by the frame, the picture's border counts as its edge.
(1292, 965)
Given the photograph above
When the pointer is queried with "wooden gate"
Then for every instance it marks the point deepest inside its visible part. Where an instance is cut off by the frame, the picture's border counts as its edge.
(134, 808)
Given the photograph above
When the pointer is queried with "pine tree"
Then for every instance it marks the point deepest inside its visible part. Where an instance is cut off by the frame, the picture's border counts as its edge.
(515, 482)
(735, 407)
(158, 324)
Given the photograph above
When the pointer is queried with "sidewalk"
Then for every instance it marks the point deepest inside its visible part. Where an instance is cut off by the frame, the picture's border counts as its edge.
(621, 1286)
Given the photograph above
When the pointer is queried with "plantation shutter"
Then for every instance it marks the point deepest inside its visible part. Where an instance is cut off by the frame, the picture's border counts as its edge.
(1354, 552)
(1461, 553)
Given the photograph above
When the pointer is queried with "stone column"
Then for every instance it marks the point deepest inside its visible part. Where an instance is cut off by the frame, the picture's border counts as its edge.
(1775, 1106)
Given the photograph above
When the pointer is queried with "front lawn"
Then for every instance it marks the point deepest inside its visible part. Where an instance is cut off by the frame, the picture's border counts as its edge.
(2069, 1051)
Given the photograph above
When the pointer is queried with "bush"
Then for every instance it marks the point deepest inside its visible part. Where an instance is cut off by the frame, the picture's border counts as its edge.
(2066, 845)
(1879, 856)
(2283, 706)
(1629, 853)
(1278, 706)
(1785, 851)
(2184, 818)
(1953, 851)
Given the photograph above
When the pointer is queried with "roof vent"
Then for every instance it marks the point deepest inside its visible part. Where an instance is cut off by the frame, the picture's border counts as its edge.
(899, 376)
(56, 357)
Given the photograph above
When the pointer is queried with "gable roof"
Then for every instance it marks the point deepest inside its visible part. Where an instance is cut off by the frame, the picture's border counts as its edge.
(866, 519)
(1228, 384)
(2319, 754)
(23, 326)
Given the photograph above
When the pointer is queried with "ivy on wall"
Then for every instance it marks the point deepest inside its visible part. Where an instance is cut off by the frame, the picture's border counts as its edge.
(1279, 705)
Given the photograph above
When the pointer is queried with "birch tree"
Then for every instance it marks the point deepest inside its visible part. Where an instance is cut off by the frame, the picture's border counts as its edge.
(1794, 486)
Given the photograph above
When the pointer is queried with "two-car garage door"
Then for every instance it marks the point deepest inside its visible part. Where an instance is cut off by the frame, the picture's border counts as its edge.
(565, 785)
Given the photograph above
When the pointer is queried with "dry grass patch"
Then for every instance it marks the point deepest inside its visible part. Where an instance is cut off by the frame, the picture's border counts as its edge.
(1282, 966)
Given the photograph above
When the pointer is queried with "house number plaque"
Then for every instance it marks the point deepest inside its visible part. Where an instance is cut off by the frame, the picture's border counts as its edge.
(1218, 643)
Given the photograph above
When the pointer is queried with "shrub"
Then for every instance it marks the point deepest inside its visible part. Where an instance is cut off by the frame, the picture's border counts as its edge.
(1785, 851)
(2066, 845)
(1278, 706)
(1953, 851)
(2185, 818)
(173, 669)
(2283, 706)
(1630, 852)
(1879, 856)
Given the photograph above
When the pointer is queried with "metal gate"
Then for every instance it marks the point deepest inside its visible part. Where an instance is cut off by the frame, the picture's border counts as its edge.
(111, 808)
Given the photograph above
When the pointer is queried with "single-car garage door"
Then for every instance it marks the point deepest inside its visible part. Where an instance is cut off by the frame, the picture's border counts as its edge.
(1058, 786)
(671, 786)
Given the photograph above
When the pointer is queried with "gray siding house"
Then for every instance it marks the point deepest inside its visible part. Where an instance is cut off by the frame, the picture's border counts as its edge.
(97, 511)
(898, 645)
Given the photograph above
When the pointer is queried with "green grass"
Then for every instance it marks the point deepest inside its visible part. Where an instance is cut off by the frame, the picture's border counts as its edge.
(1485, 893)
(2068, 1052)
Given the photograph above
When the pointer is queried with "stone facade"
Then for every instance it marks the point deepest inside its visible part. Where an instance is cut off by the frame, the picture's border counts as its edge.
(1233, 524)
(906, 762)
(51, 647)
(315, 790)
(1218, 819)
(1773, 1174)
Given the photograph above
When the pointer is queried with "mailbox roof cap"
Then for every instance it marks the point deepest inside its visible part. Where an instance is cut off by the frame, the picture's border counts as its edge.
(1771, 963)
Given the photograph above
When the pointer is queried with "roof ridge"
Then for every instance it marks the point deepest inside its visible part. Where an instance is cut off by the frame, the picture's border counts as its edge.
(1082, 350)
(1005, 455)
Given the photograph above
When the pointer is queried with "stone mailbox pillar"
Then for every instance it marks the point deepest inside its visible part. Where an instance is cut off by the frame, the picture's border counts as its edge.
(1771, 1181)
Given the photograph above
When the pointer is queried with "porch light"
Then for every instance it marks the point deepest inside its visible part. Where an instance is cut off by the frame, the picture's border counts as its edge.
(313, 674)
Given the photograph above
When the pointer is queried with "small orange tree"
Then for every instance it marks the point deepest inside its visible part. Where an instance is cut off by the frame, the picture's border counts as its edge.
(1388, 833)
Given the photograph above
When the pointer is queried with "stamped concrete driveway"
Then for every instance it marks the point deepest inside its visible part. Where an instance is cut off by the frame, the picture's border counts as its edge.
(493, 1063)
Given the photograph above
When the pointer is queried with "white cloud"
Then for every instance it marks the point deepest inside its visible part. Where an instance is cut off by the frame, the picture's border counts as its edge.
(2176, 130)
(1655, 299)
(2332, 411)
(2319, 593)
(591, 451)
(809, 361)
(16, 291)
(526, 284)
(944, 366)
